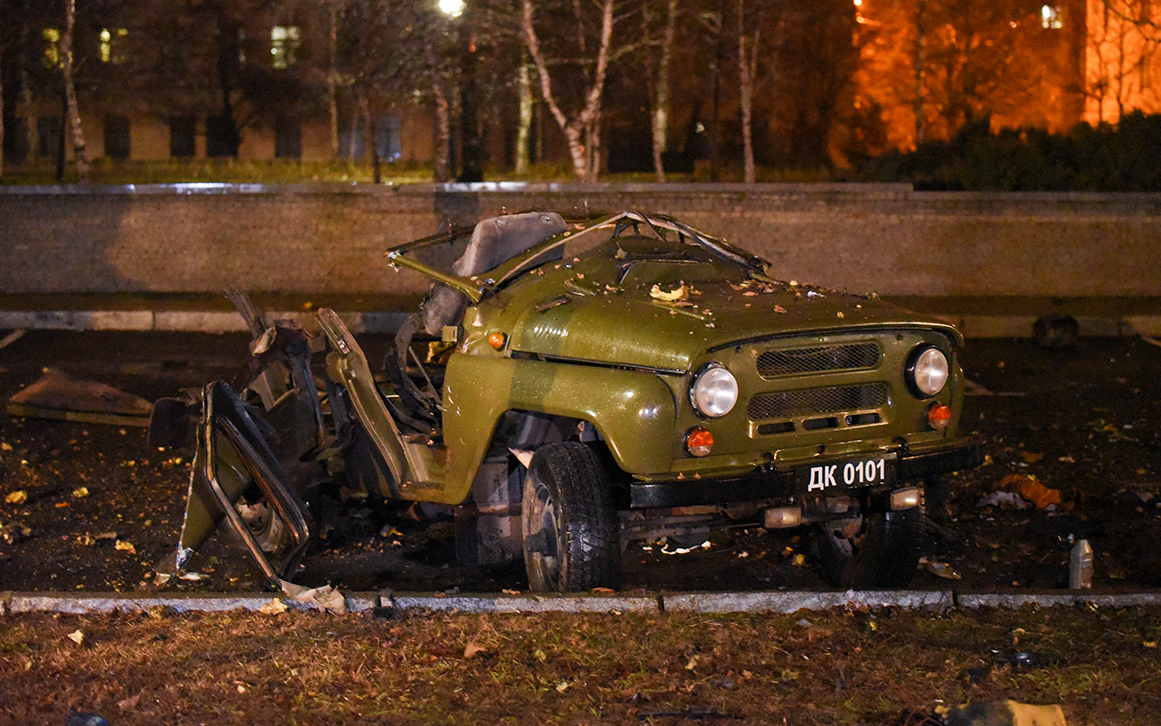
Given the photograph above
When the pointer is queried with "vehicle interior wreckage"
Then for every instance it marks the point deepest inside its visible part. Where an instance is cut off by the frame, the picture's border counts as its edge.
(571, 386)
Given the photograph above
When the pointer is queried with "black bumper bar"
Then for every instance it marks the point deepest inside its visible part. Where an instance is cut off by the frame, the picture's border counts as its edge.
(965, 454)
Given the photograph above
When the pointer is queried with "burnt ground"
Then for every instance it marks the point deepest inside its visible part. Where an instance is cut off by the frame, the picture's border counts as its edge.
(101, 509)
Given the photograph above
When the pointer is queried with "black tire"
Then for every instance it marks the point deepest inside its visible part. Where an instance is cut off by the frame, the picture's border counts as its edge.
(873, 552)
(571, 536)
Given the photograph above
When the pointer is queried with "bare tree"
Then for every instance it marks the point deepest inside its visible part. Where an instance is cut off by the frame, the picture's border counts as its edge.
(524, 126)
(747, 69)
(1124, 36)
(1, 97)
(661, 80)
(76, 133)
(580, 125)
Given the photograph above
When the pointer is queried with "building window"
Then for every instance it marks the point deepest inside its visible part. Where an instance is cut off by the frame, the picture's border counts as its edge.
(388, 139)
(111, 47)
(288, 139)
(390, 145)
(183, 137)
(284, 42)
(1050, 17)
(51, 57)
(117, 137)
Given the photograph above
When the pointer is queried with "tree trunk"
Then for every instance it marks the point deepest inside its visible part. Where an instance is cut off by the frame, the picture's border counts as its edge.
(372, 141)
(1, 103)
(443, 166)
(524, 130)
(747, 68)
(70, 90)
(920, 71)
(660, 118)
(582, 130)
(332, 81)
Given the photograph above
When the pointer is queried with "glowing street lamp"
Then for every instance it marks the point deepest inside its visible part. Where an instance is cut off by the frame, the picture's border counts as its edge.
(452, 8)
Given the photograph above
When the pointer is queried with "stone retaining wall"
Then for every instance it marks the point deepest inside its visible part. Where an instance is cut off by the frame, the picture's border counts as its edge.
(330, 239)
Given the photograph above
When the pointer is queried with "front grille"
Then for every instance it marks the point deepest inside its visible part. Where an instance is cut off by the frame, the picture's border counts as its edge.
(787, 404)
(795, 361)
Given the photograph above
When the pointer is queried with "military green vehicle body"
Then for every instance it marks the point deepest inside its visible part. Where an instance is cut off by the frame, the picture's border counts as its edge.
(621, 379)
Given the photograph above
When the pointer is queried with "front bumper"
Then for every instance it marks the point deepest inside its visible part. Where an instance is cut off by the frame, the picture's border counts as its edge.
(777, 484)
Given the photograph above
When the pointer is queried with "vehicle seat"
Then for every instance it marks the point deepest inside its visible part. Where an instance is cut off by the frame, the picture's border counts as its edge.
(494, 240)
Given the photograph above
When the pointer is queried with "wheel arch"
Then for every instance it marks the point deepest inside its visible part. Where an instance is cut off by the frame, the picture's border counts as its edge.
(633, 412)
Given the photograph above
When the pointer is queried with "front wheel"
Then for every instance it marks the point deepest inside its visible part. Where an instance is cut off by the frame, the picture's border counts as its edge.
(879, 550)
(570, 532)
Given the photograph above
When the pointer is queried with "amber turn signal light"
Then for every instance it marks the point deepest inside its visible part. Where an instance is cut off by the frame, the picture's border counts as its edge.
(699, 441)
(497, 340)
(939, 416)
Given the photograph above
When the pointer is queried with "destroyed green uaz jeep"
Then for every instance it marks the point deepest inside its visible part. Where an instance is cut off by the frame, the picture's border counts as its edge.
(570, 387)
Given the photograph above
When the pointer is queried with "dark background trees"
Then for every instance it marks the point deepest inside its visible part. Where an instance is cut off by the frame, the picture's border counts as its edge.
(724, 87)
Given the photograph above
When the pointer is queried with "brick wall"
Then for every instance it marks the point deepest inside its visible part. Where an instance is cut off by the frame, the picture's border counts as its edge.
(330, 239)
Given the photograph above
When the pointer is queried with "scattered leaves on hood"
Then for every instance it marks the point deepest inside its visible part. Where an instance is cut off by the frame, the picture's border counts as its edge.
(678, 295)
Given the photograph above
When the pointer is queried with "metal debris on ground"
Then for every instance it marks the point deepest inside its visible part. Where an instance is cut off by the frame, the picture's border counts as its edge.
(13, 532)
(987, 713)
(325, 598)
(939, 569)
(57, 395)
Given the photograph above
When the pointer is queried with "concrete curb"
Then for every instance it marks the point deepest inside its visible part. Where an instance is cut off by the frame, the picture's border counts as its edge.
(15, 603)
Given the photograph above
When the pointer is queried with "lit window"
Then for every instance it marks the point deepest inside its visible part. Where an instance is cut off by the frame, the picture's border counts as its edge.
(51, 57)
(1050, 17)
(111, 44)
(284, 41)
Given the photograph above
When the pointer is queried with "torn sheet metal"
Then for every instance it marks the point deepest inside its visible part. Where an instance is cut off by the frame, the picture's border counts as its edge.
(57, 395)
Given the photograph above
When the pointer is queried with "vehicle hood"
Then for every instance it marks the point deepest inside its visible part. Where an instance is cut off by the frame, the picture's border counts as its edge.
(667, 321)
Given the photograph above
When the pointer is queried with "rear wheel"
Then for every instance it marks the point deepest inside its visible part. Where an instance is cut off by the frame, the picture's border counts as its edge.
(570, 532)
(879, 550)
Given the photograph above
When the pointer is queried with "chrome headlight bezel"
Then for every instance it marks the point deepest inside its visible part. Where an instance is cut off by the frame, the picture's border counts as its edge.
(713, 391)
(928, 371)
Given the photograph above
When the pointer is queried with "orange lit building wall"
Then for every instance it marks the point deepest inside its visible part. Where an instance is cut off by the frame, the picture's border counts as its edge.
(1122, 62)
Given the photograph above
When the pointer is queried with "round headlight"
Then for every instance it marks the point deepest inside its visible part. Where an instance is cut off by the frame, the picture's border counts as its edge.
(714, 391)
(928, 371)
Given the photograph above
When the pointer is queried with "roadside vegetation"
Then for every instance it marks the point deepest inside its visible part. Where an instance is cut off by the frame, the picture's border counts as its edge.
(840, 667)
(1124, 158)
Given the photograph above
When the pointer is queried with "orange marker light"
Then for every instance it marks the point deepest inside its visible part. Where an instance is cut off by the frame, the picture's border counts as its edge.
(699, 441)
(497, 340)
(939, 416)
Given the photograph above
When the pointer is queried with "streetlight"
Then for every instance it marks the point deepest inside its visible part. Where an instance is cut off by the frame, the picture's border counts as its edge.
(452, 8)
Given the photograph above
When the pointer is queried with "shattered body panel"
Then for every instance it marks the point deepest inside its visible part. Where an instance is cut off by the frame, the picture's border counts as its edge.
(570, 386)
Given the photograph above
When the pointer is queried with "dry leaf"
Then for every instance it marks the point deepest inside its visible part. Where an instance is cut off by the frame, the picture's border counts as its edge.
(17, 497)
(81, 492)
(472, 650)
(130, 703)
(125, 547)
(274, 607)
(77, 637)
(681, 293)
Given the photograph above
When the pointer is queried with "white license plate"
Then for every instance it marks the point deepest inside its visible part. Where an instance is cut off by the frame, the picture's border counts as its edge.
(843, 475)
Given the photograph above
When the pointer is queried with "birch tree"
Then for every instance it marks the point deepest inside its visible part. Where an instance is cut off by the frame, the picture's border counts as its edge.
(76, 133)
(747, 70)
(581, 124)
(660, 77)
